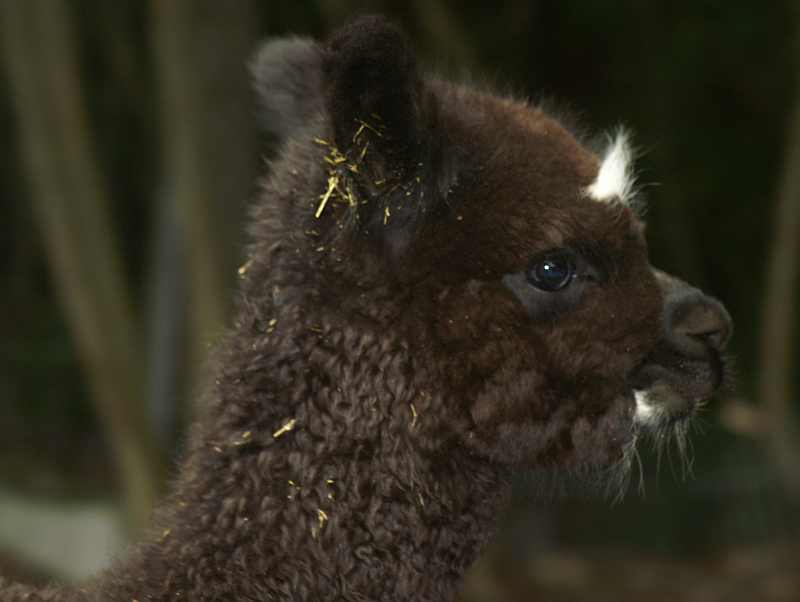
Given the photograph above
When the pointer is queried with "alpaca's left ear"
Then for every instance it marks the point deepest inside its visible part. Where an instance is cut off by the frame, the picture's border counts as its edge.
(288, 81)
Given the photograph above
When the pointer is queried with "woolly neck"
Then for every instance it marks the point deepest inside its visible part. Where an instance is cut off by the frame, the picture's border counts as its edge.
(322, 471)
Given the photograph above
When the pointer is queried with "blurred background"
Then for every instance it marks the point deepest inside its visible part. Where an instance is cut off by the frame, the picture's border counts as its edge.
(129, 155)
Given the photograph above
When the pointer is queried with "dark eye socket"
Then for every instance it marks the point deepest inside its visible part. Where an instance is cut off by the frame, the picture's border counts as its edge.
(553, 271)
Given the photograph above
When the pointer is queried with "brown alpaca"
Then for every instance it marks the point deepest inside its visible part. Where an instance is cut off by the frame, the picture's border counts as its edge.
(444, 287)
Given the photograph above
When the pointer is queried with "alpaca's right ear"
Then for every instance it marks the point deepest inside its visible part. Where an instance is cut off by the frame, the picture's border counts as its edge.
(288, 80)
(371, 79)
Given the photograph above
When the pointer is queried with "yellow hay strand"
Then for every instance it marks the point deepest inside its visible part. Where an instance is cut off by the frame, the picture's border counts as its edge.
(243, 270)
(335, 159)
(338, 186)
(363, 152)
(285, 428)
(364, 124)
(359, 131)
(350, 197)
(244, 439)
(333, 180)
(322, 517)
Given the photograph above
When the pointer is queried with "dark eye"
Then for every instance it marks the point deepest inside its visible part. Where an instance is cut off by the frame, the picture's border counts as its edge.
(552, 272)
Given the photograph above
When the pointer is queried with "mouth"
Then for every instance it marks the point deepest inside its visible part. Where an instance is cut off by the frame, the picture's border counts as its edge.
(664, 393)
(669, 389)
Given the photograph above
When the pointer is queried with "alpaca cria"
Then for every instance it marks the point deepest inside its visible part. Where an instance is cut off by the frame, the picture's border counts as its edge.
(444, 287)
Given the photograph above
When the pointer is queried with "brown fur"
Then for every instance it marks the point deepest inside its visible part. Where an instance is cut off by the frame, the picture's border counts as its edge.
(381, 380)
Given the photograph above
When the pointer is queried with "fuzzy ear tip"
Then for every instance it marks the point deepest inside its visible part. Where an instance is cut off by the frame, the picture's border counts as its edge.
(373, 26)
(374, 36)
(288, 80)
(282, 54)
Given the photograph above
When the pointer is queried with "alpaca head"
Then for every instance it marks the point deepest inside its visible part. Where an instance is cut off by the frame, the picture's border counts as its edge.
(478, 232)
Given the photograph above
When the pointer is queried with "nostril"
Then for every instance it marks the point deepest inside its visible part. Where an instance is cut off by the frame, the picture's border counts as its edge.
(696, 322)
(715, 339)
(705, 323)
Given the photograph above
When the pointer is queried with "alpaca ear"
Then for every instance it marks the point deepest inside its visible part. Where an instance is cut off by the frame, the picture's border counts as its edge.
(389, 153)
(371, 80)
(288, 81)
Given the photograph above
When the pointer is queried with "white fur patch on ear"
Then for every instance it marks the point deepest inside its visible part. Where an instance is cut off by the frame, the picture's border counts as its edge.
(615, 180)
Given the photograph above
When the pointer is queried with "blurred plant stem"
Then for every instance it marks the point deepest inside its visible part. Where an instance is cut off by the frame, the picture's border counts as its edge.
(780, 308)
(71, 206)
(209, 148)
(166, 323)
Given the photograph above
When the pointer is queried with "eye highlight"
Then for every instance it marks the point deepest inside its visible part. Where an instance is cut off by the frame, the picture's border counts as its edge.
(553, 271)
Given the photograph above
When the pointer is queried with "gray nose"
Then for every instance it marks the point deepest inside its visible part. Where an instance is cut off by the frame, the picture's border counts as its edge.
(696, 323)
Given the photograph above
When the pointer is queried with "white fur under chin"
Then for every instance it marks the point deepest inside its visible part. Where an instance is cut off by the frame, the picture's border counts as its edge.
(615, 180)
(646, 413)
